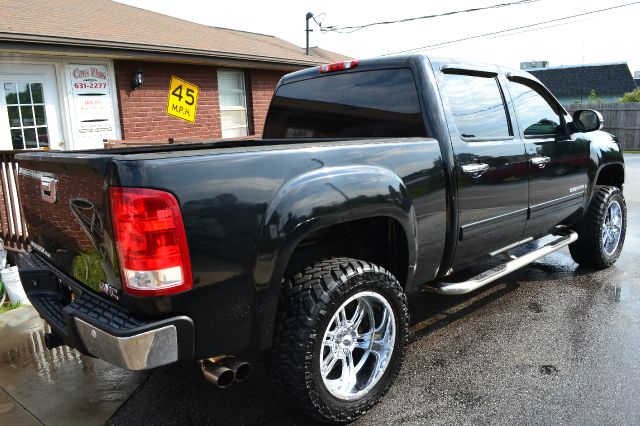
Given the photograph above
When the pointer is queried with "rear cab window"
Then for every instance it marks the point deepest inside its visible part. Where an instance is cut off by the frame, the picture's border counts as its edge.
(367, 104)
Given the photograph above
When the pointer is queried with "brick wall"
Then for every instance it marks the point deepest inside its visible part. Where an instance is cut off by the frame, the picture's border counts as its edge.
(54, 222)
(263, 84)
(143, 112)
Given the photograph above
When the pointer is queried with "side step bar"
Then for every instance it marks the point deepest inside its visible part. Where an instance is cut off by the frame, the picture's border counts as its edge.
(464, 287)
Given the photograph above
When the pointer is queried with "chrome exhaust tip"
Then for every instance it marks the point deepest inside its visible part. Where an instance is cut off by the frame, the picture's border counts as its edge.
(240, 368)
(217, 374)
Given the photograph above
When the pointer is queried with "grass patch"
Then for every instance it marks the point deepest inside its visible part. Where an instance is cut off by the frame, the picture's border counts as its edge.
(631, 151)
(8, 307)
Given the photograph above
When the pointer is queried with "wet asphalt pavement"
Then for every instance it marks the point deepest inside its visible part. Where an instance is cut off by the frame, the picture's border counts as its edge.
(549, 344)
(54, 387)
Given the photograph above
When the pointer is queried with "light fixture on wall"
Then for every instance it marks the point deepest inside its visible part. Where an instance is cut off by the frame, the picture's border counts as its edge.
(138, 79)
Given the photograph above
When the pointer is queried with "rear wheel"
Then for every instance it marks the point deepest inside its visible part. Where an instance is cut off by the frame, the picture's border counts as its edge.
(341, 335)
(602, 230)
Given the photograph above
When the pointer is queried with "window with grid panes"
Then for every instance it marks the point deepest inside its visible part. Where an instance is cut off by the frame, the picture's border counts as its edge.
(233, 103)
(27, 116)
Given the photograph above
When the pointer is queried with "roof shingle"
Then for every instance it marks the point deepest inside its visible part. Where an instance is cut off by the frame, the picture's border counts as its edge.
(613, 79)
(109, 24)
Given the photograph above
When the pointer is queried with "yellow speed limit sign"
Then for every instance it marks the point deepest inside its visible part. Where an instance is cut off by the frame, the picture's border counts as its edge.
(183, 99)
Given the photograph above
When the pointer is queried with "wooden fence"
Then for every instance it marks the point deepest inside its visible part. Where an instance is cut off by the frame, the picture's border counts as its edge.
(620, 119)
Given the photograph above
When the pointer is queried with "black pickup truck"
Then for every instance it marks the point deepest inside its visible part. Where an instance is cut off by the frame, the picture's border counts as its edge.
(374, 180)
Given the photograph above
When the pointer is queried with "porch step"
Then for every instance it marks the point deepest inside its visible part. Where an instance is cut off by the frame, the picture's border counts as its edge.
(474, 283)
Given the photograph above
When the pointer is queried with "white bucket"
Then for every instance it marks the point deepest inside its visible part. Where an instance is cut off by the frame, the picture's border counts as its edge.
(13, 286)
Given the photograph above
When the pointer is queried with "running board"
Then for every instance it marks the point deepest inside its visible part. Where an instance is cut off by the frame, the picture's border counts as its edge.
(464, 287)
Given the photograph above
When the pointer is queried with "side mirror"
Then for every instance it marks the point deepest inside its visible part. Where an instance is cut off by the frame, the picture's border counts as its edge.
(587, 120)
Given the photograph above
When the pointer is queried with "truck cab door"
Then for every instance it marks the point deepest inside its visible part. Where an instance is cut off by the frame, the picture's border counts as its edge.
(491, 168)
(558, 162)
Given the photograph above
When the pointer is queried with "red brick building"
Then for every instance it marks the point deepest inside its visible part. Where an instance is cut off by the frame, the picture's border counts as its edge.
(71, 79)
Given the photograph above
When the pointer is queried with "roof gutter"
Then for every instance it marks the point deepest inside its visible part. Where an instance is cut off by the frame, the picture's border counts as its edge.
(124, 50)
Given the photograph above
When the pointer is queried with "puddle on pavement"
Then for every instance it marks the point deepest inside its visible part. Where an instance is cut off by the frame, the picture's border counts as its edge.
(59, 386)
(22, 343)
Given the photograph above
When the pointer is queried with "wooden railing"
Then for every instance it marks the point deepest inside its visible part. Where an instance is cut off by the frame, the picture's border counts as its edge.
(12, 222)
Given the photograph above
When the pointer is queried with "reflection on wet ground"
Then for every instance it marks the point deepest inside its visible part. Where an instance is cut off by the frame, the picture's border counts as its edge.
(56, 387)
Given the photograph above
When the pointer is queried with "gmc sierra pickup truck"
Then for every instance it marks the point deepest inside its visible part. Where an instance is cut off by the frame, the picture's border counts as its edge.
(374, 180)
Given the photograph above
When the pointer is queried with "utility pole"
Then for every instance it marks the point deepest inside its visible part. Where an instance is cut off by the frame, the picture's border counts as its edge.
(309, 16)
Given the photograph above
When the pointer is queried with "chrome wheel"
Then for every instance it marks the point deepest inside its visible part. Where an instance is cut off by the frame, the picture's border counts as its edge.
(357, 345)
(612, 228)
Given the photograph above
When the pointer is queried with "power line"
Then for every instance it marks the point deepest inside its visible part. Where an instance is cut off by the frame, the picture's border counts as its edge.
(351, 29)
(534, 29)
(445, 43)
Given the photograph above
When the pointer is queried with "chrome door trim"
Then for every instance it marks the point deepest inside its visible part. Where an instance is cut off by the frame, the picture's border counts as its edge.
(555, 201)
(541, 162)
(475, 169)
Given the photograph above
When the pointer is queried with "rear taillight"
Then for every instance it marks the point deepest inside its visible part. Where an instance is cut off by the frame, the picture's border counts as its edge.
(339, 66)
(151, 242)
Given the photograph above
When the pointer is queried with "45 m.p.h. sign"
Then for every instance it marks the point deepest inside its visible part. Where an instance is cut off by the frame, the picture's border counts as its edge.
(182, 100)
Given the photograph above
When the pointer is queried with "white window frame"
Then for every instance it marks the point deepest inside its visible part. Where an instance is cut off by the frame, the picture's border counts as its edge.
(31, 79)
(243, 90)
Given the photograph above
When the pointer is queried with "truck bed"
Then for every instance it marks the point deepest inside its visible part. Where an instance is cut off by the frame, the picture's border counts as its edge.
(97, 159)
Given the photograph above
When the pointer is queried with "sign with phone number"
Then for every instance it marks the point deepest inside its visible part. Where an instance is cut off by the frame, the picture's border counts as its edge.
(182, 100)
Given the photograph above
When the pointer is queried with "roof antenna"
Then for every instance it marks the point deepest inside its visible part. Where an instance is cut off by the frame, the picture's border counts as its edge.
(309, 16)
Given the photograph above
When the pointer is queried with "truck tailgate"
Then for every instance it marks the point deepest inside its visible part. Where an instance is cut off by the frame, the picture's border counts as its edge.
(64, 201)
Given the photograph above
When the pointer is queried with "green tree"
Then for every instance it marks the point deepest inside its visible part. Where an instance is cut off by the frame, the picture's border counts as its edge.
(633, 96)
(593, 98)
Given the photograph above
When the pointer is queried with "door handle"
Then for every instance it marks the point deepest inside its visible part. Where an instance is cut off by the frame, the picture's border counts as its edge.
(475, 169)
(541, 162)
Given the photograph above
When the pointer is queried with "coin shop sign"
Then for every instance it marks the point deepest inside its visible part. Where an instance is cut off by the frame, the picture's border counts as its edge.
(183, 99)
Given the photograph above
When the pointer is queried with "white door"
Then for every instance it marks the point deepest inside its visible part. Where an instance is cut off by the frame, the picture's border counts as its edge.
(29, 107)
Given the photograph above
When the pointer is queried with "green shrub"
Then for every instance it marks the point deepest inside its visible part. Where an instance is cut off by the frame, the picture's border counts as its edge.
(632, 96)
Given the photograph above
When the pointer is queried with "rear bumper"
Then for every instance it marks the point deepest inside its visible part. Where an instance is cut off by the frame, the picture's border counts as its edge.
(99, 328)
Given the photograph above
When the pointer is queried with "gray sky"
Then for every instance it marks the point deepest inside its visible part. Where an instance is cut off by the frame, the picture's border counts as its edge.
(602, 37)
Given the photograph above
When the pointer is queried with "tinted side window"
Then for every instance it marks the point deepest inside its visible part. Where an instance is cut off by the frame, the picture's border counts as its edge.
(535, 115)
(477, 106)
(381, 103)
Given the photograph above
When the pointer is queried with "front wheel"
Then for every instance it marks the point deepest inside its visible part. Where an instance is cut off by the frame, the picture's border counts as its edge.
(340, 339)
(602, 230)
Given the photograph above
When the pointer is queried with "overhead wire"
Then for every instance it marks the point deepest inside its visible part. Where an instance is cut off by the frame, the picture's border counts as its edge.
(509, 30)
(354, 28)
